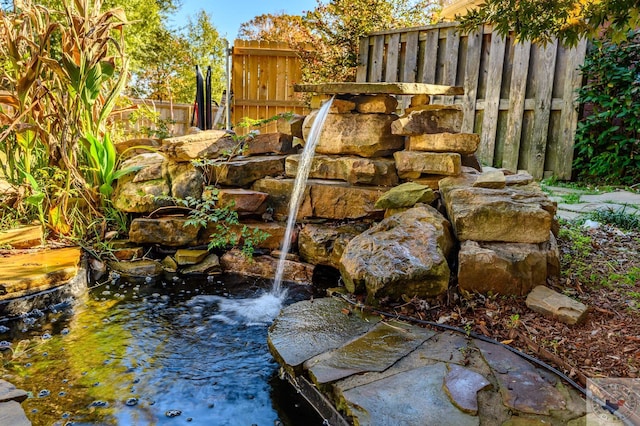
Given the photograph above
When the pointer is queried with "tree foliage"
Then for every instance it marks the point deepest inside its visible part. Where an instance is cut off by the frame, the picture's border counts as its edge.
(568, 20)
(333, 31)
(608, 138)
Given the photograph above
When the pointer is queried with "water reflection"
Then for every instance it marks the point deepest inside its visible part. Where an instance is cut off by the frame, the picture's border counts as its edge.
(147, 353)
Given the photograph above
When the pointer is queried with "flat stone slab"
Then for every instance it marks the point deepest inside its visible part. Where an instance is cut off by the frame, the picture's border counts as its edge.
(522, 386)
(8, 392)
(616, 197)
(11, 413)
(32, 272)
(551, 303)
(379, 88)
(352, 169)
(309, 328)
(23, 237)
(377, 350)
(242, 172)
(462, 386)
(413, 397)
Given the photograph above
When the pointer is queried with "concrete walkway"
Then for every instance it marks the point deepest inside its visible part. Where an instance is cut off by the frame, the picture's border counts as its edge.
(354, 367)
(573, 202)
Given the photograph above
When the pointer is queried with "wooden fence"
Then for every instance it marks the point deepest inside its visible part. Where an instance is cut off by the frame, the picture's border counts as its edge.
(176, 117)
(263, 74)
(520, 97)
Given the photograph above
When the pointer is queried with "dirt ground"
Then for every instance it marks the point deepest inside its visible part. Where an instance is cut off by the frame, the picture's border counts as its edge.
(600, 268)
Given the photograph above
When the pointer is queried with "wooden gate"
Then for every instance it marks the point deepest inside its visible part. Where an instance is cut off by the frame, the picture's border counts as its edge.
(262, 82)
(520, 97)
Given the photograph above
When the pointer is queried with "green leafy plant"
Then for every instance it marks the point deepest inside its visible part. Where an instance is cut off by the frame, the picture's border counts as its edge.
(607, 143)
(103, 156)
(620, 218)
(222, 220)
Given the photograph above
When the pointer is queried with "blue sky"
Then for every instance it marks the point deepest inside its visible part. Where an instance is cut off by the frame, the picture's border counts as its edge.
(227, 15)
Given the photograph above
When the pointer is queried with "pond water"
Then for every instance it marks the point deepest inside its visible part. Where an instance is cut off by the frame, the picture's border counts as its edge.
(154, 353)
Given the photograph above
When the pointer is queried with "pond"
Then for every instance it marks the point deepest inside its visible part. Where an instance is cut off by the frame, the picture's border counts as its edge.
(167, 352)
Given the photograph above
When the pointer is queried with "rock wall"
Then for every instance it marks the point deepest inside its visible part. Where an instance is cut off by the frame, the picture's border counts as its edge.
(370, 163)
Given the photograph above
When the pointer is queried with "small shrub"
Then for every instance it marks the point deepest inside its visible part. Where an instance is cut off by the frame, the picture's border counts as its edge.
(607, 141)
(620, 218)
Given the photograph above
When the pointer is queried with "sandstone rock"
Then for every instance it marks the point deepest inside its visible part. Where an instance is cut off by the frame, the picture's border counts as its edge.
(137, 268)
(269, 143)
(404, 254)
(265, 267)
(419, 100)
(140, 197)
(169, 265)
(274, 230)
(551, 303)
(431, 181)
(490, 179)
(150, 164)
(243, 200)
(291, 125)
(190, 256)
(522, 178)
(462, 143)
(168, 231)
(205, 144)
(322, 199)
(210, 265)
(136, 146)
(405, 195)
(128, 253)
(376, 104)
(366, 135)
(429, 119)
(371, 171)
(244, 171)
(427, 162)
(520, 214)
(186, 180)
(342, 106)
(324, 244)
(22, 237)
(502, 268)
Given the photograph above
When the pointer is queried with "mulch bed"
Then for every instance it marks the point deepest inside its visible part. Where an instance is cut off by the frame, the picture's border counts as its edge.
(603, 272)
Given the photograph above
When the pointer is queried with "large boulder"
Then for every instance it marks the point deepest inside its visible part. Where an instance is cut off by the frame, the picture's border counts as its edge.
(365, 135)
(405, 254)
(324, 244)
(505, 268)
(352, 169)
(186, 180)
(269, 143)
(516, 214)
(207, 144)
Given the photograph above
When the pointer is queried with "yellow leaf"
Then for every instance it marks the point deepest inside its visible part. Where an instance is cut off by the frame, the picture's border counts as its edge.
(507, 342)
(57, 221)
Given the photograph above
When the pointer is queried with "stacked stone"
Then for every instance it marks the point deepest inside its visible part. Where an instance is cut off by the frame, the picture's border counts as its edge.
(434, 148)
(503, 224)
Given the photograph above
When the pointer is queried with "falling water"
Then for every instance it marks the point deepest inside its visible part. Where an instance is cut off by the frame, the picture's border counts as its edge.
(299, 185)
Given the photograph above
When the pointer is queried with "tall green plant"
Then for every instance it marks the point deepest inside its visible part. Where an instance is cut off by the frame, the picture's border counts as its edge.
(608, 139)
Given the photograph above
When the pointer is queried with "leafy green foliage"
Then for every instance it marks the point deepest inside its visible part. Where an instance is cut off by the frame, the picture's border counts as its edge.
(206, 213)
(620, 218)
(567, 20)
(608, 140)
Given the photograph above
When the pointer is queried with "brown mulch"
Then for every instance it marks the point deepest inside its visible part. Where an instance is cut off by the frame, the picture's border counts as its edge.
(602, 270)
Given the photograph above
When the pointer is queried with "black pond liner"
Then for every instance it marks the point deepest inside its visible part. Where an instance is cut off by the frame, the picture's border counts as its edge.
(160, 352)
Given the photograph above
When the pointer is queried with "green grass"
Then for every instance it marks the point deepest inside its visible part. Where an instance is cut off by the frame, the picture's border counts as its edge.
(619, 218)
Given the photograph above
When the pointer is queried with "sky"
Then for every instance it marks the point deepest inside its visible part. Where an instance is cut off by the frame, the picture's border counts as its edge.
(227, 15)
